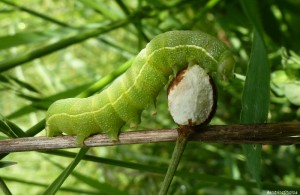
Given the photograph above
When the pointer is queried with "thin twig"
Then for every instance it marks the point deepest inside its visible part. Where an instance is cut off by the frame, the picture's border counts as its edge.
(184, 133)
(280, 133)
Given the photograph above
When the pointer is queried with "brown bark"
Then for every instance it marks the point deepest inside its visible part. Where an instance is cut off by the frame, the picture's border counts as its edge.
(279, 133)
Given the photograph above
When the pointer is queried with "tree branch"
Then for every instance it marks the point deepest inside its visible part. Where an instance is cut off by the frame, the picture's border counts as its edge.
(280, 133)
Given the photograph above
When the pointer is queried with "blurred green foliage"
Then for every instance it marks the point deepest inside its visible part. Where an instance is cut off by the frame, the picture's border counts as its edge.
(56, 49)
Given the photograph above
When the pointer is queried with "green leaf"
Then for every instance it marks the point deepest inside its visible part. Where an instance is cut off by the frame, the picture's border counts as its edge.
(10, 129)
(4, 188)
(102, 8)
(35, 184)
(54, 187)
(35, 13)
(292, 92)
(183, 174)
(24, 84)
(21, 39)
(6, 163)
(43, 104)
(101, 187)
(256, 94)
(61, 44)
(291, 64)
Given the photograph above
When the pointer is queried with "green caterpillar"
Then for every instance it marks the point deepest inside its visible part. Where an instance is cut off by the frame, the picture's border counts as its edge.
(124, 100)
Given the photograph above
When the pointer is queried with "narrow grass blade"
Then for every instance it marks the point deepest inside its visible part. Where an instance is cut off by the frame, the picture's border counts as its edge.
(255, 101)
(54, 187)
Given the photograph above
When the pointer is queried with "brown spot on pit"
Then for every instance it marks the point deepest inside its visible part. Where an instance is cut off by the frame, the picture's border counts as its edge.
(176, 80)
(190, 121)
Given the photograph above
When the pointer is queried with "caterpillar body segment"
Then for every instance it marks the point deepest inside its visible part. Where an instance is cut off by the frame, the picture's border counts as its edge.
(125, 99)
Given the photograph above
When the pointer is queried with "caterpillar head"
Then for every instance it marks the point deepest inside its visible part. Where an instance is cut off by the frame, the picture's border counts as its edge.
(226, 65)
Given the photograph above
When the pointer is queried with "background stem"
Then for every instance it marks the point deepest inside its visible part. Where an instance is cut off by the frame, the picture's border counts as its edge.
(183, 136)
